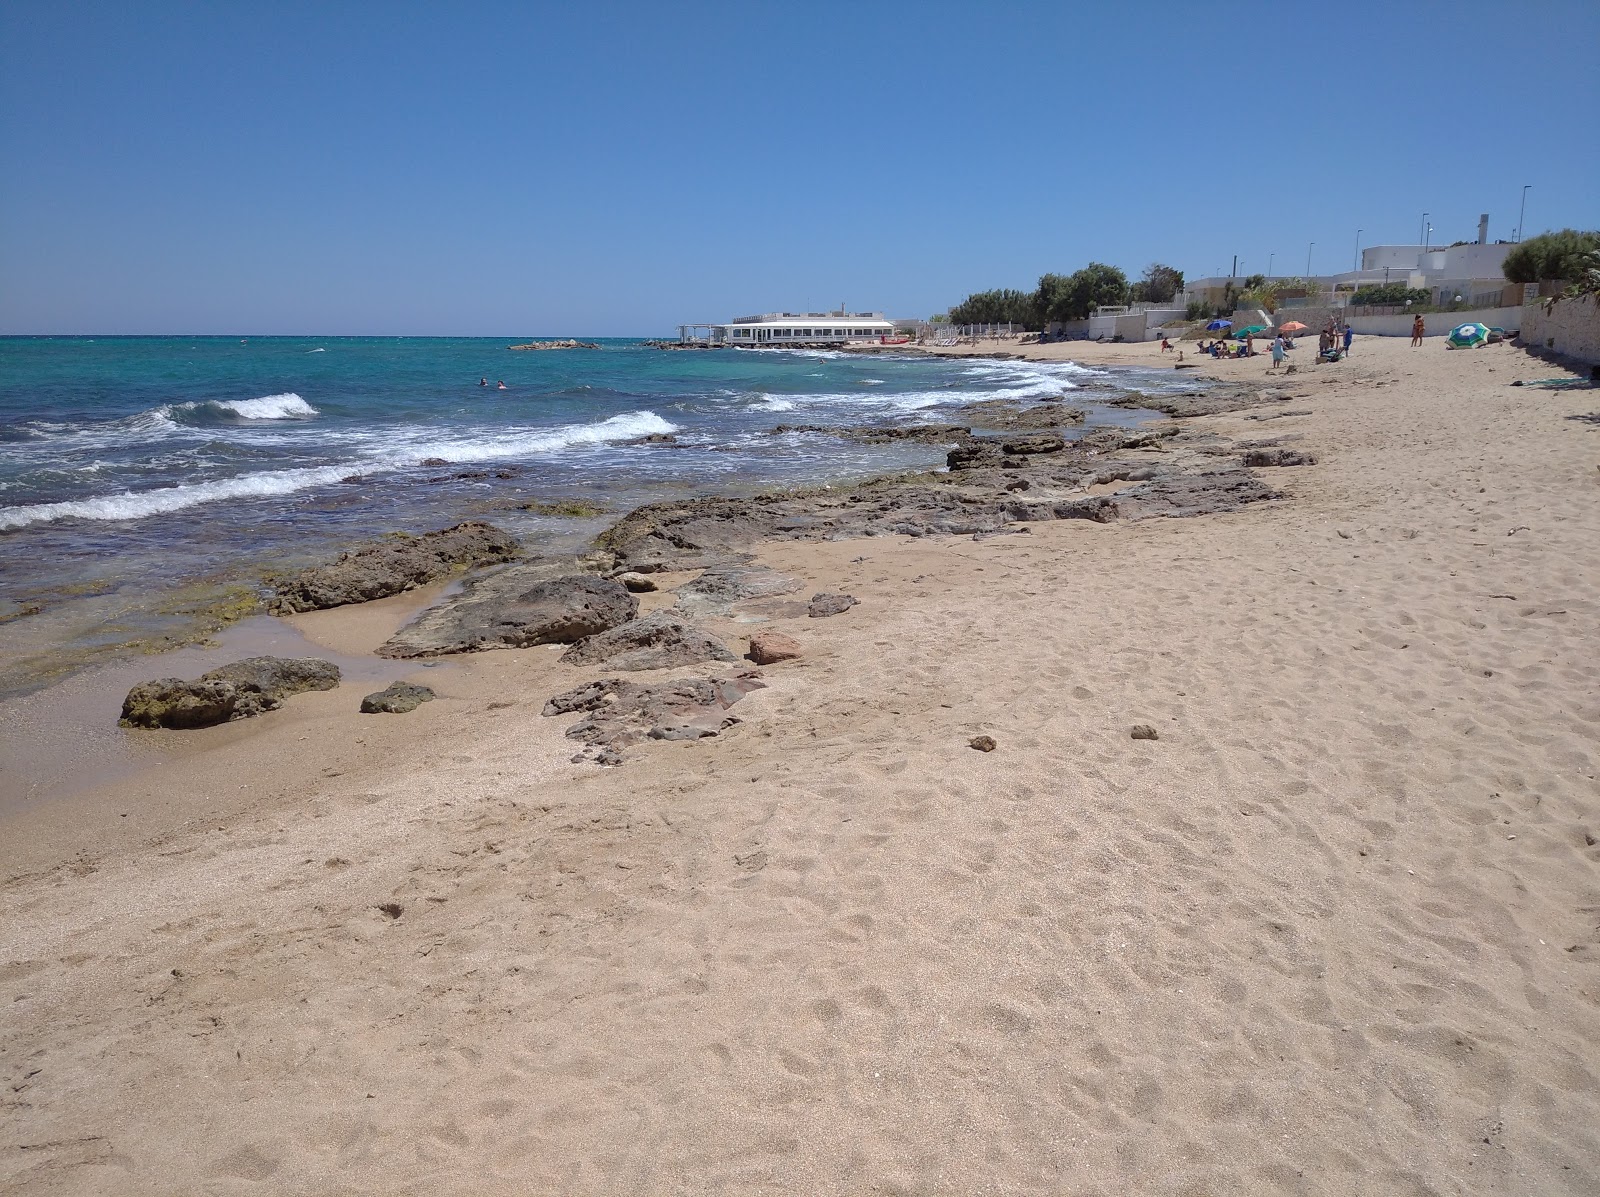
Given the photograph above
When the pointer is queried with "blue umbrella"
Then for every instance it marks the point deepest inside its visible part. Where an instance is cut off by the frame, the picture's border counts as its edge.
(1217, 325)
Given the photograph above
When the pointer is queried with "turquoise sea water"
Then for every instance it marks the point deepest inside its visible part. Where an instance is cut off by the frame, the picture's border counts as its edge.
(139, 464)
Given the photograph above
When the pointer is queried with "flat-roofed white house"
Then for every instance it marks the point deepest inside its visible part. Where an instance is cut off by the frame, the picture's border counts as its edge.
(792, 330)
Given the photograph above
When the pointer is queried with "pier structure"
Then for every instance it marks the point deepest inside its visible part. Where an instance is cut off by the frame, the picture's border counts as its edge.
(791, 330)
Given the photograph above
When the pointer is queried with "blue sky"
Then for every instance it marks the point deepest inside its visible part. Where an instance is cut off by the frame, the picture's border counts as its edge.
(613, 169)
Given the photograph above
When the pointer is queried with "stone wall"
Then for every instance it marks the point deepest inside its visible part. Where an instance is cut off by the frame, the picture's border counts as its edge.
(1571, 328)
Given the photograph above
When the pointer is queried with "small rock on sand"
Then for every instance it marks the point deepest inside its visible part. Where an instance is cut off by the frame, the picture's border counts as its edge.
(1143, 731)
(638, 583)
(982, 743)
(768, 648)
(396, 699)
(237, 691)
(830, 604)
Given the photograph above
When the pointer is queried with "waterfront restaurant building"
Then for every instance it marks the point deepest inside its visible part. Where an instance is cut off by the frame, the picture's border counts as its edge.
(790, 330)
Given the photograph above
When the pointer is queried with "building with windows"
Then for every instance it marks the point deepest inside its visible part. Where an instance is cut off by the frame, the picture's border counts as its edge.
(792, 330)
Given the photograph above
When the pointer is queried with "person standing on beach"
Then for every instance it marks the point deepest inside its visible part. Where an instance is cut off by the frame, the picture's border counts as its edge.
(1349, 335)
(1417, 329)
(1277, 351)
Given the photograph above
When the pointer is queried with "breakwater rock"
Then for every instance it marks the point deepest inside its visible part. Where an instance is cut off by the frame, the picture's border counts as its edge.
(515, 608)
(556, 345)
(390, 565)
(237, 691)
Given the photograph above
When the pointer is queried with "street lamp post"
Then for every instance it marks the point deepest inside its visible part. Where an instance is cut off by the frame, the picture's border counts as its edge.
(1357, 265)
(1269, 264)
(1427, 237)
(1523, 211)
(1309, 248)
(1422, 226)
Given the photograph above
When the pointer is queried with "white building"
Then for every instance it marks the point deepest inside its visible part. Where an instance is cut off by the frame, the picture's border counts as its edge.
(792, 330)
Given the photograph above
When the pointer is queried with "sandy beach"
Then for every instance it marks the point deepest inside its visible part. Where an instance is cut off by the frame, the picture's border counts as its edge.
(1337, 930)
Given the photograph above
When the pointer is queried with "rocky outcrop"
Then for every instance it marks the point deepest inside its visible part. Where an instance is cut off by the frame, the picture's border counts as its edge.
(556, 345)
(618, 713)
(1008, 414)
(397, 699)
(515, 608)
(237, 691)
(638, 583)
(1278, 457)
(928, 434)
(716, 590)
(768, 648)
(1221, 397)
(661, 640)
(396, 563)
(824, 605)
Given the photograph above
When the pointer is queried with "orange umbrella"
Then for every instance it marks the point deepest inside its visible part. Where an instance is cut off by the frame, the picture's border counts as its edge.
(1292, 326)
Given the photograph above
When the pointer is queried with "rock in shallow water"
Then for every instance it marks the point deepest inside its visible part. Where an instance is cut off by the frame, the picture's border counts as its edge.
(396, 699)
(506, 611)
(660, 640)
(237, 691)
(392, 565)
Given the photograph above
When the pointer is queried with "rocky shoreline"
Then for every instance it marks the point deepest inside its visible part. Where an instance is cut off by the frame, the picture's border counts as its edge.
(1037, 466)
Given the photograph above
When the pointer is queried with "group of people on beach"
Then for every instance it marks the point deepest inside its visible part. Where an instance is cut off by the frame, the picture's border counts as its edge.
(1334, 341)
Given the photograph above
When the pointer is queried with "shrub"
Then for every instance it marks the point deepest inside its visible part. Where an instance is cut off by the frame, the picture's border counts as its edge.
(1550, 256)
(1391, 293)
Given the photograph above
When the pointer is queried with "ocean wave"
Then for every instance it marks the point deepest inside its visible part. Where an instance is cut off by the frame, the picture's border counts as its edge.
(287, 406)
(132, 505)
(484, 446)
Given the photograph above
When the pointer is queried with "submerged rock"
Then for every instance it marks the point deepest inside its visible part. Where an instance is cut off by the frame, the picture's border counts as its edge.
(658, 641)
(396, 699)
(512, 610)
(391, 565)
(619, 713)
(237, 691)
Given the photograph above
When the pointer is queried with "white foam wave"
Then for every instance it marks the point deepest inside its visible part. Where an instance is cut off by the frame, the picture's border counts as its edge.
(772, 403)
(130, 505)
(287, 406)
(316, 351)
(490, 446)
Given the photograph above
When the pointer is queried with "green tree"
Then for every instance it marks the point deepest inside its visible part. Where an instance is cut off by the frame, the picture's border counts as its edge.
(1255, 282)
(1550, 256)
(1074, 296)
(1160, 284)
(997, 307)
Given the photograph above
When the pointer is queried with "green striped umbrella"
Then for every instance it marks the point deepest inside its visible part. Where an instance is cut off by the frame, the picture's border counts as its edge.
(1468, 336)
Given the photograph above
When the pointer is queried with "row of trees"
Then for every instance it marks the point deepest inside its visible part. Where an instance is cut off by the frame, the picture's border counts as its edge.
(1068, 296)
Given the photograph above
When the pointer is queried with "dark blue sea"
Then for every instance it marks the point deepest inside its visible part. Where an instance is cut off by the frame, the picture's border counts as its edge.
(136, 465)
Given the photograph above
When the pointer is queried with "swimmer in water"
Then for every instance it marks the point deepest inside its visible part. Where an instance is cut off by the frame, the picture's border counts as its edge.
(483, 382)
(500, 386)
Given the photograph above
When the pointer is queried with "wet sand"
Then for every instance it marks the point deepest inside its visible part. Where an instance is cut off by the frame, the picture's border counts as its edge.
(1334, 931)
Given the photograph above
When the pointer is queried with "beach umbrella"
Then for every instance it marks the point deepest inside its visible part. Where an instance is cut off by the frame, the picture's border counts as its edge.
(1250, 330)
(1218, 325)
(1468, 336)
(1293, 326)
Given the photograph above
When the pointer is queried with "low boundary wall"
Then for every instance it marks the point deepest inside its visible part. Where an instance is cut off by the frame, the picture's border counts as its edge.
(1438, 323)
(1571, 328)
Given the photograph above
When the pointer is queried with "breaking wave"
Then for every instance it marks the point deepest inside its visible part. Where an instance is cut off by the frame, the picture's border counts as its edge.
(130, 505)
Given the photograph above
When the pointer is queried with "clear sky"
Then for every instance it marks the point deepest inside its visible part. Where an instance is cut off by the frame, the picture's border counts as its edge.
(613, 169)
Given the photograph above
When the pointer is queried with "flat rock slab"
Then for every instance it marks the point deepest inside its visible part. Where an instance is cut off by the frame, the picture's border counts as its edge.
(716, 590)
(1278, 457)
(510, 610)
(238, 691)
(660, 640)
(392, 565)
(397, 699)
(823, 605)
(618, 713)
